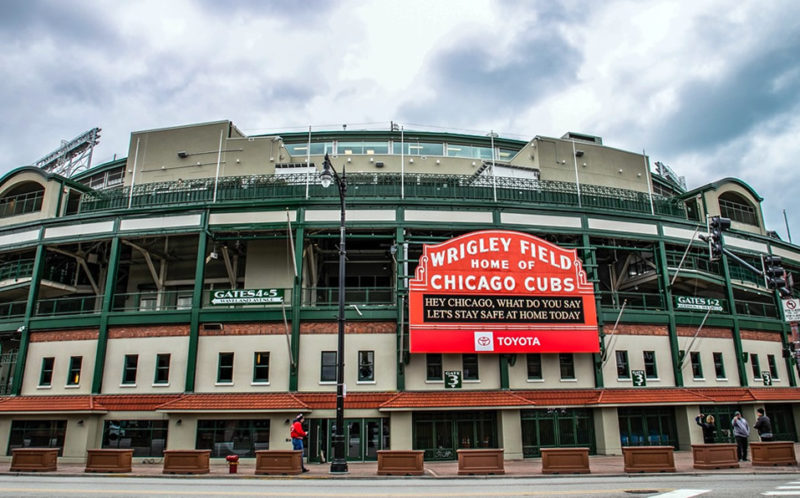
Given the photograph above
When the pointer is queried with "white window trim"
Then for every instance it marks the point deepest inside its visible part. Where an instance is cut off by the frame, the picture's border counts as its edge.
(128, 385)
(163, 384)
(259, 383)
(45, 386)
(223, 383)
(536, 380)
(568, 380)
(72, 386)
(366, 382)
(327, 382)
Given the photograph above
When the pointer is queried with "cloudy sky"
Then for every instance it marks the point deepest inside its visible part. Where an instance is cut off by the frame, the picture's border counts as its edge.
(710, 88)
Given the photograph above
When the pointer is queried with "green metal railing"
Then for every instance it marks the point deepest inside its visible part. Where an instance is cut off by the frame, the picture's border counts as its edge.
(153, 301)
(755, 308)
(698, 262)
(81, 305)
(21, 204)
(743, 274)
(633, 300)
(16, 269)
(12, 309)
(378, 186)
(363, 296)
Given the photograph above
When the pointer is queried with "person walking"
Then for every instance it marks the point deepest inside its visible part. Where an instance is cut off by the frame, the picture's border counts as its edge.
(709, 427)
(297, 437)
(741, 431)
(763, 426)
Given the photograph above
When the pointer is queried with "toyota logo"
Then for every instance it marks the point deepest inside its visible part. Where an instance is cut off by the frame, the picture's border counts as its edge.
(484, 341)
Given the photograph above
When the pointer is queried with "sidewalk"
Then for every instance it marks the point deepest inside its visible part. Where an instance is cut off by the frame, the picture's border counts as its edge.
(599, 465)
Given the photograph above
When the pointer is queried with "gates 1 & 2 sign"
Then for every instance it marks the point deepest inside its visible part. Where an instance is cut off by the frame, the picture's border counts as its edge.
(498, 291)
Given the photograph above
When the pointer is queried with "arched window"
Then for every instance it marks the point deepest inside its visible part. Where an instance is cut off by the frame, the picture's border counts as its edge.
(23, 198)
(737, 208)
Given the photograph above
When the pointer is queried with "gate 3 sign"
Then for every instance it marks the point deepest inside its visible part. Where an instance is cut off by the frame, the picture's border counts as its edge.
(498, 291)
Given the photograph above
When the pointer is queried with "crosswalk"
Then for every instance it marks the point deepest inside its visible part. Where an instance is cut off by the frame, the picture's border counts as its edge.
(788, 489)
(682, 493)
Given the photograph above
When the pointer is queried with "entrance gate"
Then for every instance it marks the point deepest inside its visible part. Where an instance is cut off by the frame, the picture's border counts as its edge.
(556, 428)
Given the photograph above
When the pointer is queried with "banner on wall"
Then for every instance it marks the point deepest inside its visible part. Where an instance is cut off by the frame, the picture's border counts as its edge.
(500, 291)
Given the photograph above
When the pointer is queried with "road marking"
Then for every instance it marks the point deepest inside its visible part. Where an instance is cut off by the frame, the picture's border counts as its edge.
(682, 493)
(781, 493)
(788, 487)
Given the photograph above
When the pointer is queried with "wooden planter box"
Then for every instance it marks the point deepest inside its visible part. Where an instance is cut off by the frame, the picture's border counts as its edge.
(715, 456)
(279, 462)
(773, 453)
(400, 462)
(34, 460)
(487, 461)
(186, 461)
(565, 461)
(648, 458)
(109, 460)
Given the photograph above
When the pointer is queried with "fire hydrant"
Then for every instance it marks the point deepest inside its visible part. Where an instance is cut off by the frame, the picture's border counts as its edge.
(233, 462)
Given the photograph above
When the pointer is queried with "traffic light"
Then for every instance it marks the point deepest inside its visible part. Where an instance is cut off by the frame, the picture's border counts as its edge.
(774, 274)
(716, 225)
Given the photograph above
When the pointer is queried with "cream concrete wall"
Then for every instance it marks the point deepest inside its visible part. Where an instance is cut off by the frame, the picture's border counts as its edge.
(243, 348)
(551, 373)
(147, 348)
(49, 201)
(606, 431)
(706, 346)
(269, 265)
(711, 198)
(511, 434)
(488, 372)
(5, 436)
(635, 345)
(401, 430)
(762, 349)
(599, 165)
(312, 346)
(77, 437)
(184, 435)
(689, 432)
(61, 351)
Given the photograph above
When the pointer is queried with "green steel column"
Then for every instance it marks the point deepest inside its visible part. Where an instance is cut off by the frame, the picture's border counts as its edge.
(668, 305)
(197, 304)
(784, 335)
(33, 293)
(297, 302)
(590, 267)
(401, 298)
(108, 300)
(737, 337)
(503, 359)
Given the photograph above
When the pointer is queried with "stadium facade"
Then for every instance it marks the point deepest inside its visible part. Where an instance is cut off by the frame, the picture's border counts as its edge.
(500, 293)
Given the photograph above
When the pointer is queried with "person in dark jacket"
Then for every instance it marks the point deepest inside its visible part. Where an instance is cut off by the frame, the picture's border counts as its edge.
(297, 435)
(763, 426)
(709, 427)
(741, 431)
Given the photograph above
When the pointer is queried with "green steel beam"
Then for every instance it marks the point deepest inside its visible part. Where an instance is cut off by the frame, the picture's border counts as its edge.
(590, 266)
(402, 304)
(25, 329)
(108, 300)
(297, 302)
(737, 336)
(671, 325)
(197, 304)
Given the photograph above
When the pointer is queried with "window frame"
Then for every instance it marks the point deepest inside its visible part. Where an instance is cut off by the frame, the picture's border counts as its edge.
(74, 371)
(537, 363)
(225, 368)
(261, 367)
(755, 366)
(47, 369)
(432, 366)
(130, 367)
(464, 367)
(773, 367)
(697, 365)
(161, 368)
(623, 365)
(325, 365)
(366, 359)
(567, 360)
(719, 366)
(654, 364)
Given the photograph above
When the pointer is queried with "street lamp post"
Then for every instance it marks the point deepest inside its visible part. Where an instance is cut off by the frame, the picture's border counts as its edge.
(339, 461)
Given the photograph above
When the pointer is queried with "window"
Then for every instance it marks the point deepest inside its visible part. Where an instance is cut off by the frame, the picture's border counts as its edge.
(697, 367)
(756, 366)
(469, 363)
(650, 369)
(369, 148)
(162, 369)
(773, 367)
(46, 377)
(366, 366)
(233, 437)
(148, 302)
(567, 363)
(184, 302)
(719, 366)
(147, 438)
(414, 148)
(328, 367)
(737, 208)
(129, 369)
(225, 368)
(534, 366)
(37, 434)
(261, 367)
(74, 374)
(623, 370)
(434, 366)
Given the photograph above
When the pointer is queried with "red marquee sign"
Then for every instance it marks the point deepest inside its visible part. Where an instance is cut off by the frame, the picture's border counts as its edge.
(498, 291)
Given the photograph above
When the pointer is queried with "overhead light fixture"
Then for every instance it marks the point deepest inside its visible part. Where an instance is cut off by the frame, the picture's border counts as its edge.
(578, 153)
(183, 154)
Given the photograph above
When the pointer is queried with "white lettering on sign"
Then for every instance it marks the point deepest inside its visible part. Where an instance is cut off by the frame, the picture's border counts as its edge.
(518, 341)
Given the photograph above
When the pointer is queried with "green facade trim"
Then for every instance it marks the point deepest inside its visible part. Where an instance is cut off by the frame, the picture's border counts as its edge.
(664, 283)
(197, 303)
(25, 330)
(108, 300)
(297, 289)
(402, 298)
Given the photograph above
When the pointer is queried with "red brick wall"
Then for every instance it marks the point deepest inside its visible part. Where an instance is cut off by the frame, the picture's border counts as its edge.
(350, 328)
(714, 332)
(247, 329)
(637, 329)
(148, 331)
(64, 335)
(760, 335)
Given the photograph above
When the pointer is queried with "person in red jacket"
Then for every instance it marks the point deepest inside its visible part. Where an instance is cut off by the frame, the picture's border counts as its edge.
(297, 436)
